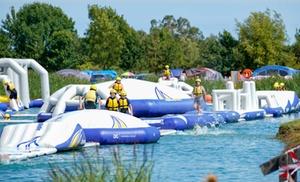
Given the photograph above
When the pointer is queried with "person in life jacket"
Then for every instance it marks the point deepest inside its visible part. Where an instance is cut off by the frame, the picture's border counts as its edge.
(10, 87)
(276, 86)
(198, 94)
(91, 99)
(282, 87)
(124, 103)
(112, 102)
(117, 85)
(6, 116)
(167, 73)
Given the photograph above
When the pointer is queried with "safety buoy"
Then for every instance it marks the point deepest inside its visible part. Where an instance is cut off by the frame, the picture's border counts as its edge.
(247, 73)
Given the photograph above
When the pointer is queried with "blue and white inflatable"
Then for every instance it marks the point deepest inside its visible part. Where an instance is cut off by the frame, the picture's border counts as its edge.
(148, 99)
(252, 104)
(23, 141)
(110, 127)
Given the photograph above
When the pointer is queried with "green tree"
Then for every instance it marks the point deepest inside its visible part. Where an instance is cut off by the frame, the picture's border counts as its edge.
(132, 51)
(212, 53)
(142, 64)
(229, 60)
(263, 38)
(31, 28)
(5, 45)
(104, 38)
(296, 49)
(153, 53)
(62, 50)
(191, 53)
(163, 49)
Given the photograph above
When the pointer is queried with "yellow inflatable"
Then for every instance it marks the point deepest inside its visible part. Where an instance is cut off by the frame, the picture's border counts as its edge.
(4, 98)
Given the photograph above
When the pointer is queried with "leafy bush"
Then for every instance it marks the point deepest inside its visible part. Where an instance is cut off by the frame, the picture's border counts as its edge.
(95, 168)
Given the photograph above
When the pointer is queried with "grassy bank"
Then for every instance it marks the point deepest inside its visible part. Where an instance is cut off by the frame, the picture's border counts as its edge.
(289, 133)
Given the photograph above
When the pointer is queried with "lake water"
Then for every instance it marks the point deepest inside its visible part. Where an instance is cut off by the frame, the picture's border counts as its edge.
(233, 152)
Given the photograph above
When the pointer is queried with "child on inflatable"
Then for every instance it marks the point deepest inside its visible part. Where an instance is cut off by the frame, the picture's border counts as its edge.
(124, 103)
(112, 102)
(91, 99)
(10, 87)
(117, 85)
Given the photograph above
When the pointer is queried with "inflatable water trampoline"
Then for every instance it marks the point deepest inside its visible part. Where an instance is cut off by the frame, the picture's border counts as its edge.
(110, 127)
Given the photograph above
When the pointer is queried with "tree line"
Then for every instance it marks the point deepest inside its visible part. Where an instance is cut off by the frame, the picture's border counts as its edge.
(45, 33)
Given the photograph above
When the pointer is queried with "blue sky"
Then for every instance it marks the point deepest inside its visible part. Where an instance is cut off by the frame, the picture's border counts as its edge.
(210, 16)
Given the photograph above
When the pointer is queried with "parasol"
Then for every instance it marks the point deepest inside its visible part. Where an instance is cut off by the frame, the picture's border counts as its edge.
(127, 75)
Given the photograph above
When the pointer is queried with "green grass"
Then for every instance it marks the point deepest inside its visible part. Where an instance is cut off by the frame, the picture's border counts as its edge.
(289, 133)
(90, 166)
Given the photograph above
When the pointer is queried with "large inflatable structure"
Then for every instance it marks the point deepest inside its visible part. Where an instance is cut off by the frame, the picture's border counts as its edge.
(16, 71)
(148, 99)
(74, 130)
(252, 104)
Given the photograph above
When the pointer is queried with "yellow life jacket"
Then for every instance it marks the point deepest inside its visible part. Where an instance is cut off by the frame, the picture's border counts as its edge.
(112, 104)
(167, 72)
(118, 87)
(11, 86)
(123, 103)
(91, 96)
(197, 91)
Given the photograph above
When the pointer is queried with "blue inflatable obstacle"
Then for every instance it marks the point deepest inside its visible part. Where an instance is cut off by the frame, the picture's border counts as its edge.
(190, 120)
(252, 115)
(110, 127)
(176, 122)
(276, 112)
(158, 108)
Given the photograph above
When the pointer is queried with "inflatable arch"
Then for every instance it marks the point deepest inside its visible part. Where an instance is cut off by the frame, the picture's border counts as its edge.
(17, 72)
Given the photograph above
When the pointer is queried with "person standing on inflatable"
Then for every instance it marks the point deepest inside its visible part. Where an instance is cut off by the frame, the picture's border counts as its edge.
(167, 73)
(91, 99)
(124, 103)
(10, 87)
(112, 102)
(117, 85)
(198, 94)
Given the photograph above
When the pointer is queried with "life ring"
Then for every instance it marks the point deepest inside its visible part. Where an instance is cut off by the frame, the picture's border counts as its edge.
(247, 73)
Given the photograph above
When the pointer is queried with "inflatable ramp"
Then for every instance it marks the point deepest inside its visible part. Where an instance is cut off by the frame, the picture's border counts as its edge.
(22, 141)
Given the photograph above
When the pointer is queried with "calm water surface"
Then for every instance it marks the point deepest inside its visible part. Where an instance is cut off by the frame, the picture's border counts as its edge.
(233, 152)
